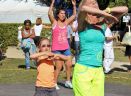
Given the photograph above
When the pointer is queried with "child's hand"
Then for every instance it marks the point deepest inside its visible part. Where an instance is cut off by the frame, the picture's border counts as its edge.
(20, 27)
(50, 54)
(57, 56)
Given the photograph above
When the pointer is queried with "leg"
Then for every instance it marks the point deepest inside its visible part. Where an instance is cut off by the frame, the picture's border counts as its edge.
(108, 55)
(111, 57)
(82, 80)
(41, 92)
(53, 92)
(32, 51)
(98, 83)
(130, 63)
(68, 68)
(27, 58)
(59, 64)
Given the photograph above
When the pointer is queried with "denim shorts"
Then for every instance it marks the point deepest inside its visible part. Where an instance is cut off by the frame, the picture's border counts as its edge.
(66, 52)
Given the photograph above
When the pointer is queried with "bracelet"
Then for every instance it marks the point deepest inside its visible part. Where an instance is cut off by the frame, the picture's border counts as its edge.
(108, 10)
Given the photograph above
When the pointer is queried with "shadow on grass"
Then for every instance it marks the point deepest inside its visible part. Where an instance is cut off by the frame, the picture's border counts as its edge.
(24, 67)
(127, 66)
(121, 69)
(2, 57)
(63, 85)
(118, 70)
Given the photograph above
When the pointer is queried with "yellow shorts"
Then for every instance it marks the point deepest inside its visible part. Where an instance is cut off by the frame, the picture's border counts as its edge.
(88, 81)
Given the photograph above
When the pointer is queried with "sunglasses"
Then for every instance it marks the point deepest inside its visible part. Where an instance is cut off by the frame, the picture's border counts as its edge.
(46, 45)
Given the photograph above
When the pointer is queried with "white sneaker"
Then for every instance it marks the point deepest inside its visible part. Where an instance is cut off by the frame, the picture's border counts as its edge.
(68, 84)
(107, 70)
(57, 87)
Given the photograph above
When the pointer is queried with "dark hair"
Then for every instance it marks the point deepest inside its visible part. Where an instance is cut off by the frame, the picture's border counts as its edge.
(27, 21)
(103, 4)
(58, 11)
(38, 18)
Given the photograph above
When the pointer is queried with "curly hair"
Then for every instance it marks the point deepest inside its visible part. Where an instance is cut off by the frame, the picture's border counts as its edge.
(27, 21)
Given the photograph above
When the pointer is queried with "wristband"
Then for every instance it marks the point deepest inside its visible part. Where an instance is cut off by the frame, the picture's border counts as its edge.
(108, 10)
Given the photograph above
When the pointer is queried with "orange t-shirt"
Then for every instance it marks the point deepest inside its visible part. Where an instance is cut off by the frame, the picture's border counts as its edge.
(45, 75)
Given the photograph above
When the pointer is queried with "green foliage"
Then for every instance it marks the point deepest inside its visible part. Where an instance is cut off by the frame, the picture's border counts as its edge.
(9, 32)
(8, 35)
(120, 3)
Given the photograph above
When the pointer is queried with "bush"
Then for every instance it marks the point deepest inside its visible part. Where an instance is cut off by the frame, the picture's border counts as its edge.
(9, 32)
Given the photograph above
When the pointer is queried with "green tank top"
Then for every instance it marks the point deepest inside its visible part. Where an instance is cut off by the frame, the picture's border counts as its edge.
(91, 46)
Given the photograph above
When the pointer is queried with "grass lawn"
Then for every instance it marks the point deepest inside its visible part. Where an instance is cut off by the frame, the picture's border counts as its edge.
(12, 71)
(120, 55)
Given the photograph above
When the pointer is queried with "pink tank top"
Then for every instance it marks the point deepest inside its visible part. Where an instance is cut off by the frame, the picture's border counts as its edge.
(59, 38)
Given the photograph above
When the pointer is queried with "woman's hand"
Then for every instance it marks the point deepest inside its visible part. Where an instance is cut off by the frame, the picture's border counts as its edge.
(73, 2)
(53, 1)
(20, 27)
(57, 56)
(110, 18)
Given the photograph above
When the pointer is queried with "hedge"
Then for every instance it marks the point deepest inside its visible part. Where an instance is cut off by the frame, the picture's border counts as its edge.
(9, 32)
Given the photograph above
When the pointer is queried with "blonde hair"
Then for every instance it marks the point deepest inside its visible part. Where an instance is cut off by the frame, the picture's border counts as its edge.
(42, 39)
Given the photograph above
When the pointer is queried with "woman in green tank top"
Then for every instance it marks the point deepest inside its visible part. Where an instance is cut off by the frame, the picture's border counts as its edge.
(88, 76)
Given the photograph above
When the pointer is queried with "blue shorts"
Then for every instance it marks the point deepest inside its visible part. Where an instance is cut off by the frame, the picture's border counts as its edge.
(66, 52)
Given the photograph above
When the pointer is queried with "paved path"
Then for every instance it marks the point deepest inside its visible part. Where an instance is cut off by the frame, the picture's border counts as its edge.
(28, 90)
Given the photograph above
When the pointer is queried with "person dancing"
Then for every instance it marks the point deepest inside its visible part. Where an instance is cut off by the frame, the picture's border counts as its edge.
(59, 39)
(88, 75)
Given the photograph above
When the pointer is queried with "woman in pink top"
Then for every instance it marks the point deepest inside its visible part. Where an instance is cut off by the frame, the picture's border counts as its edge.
(59, 38)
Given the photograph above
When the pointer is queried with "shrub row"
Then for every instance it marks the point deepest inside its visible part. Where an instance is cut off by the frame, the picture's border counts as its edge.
(9, 32)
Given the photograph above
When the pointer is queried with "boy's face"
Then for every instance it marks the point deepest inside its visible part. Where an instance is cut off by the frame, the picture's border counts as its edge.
(45, 46)
(38, 22)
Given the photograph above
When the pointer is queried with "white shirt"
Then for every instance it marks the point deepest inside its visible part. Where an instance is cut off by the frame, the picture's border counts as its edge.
(38, 29)
(75, 25)
(19, 34)
(126, 19)
(108, 33)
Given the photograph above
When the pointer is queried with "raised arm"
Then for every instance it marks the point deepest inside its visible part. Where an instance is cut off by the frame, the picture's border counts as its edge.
(69, 20)
(50, 12)
(37, 55)
(117, 11)
(84, 9)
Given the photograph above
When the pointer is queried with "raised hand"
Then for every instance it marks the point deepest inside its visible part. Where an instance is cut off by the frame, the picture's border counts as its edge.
(20, 27)
(53, 1)
(56, 56)
(110, 18)
(73, 2)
